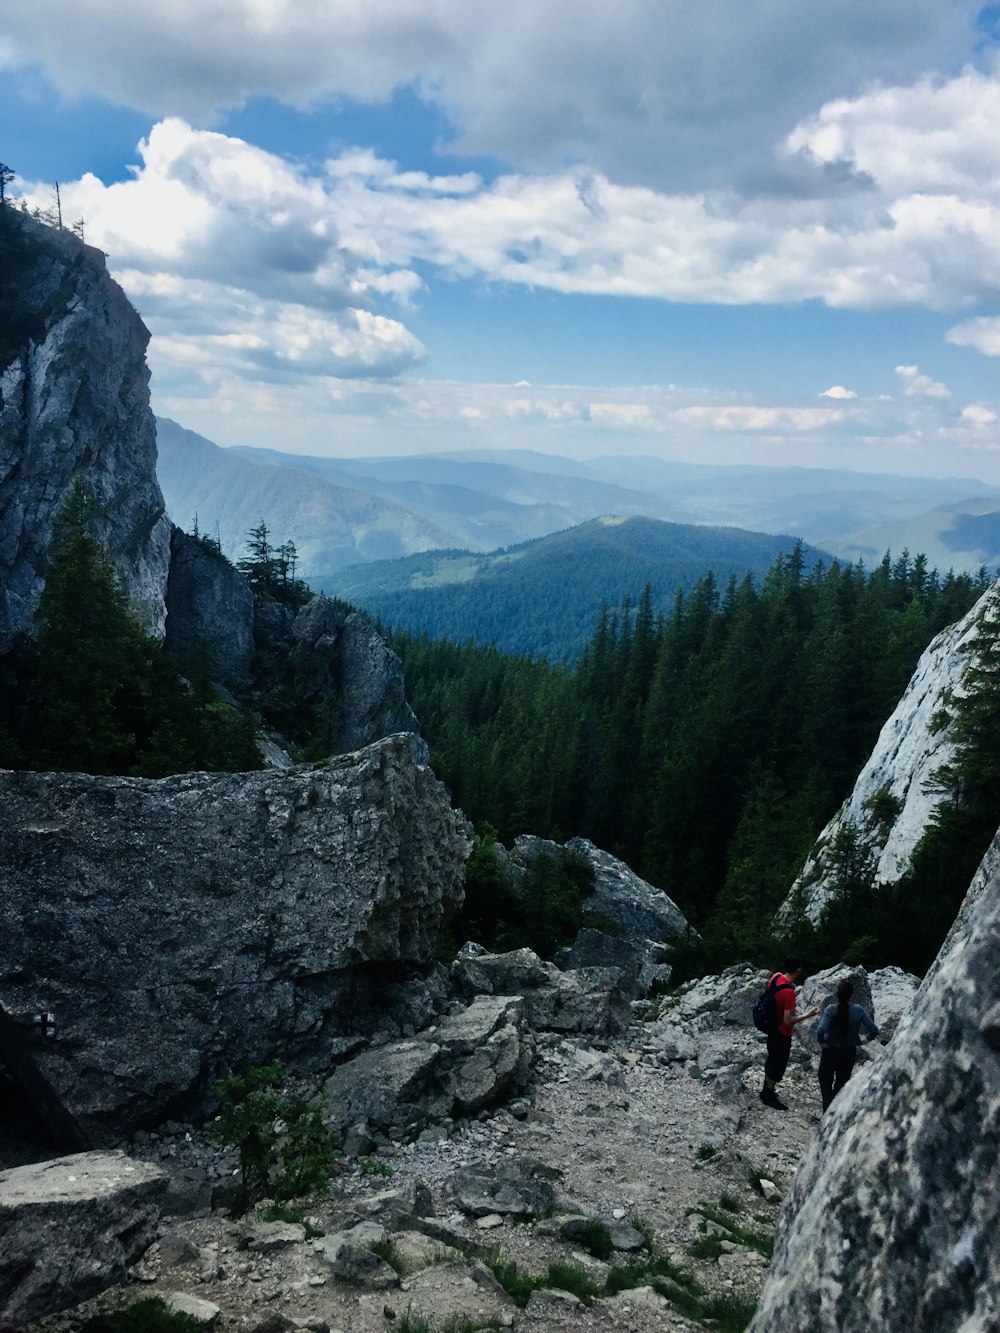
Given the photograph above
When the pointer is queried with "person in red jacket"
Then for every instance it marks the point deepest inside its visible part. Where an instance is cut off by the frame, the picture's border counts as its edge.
(779, 1039)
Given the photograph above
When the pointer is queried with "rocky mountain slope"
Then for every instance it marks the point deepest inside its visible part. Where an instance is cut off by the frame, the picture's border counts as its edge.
(892, 1220)
(895, 796)
(647, 1143)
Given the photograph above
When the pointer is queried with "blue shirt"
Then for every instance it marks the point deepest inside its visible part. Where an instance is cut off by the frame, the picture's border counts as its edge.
(832, 1034)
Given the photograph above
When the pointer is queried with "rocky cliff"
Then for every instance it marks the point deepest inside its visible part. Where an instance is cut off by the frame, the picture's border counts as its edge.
(894, 798)
(183, 927)
(892, 1220)
(209, 603)
(74, 402)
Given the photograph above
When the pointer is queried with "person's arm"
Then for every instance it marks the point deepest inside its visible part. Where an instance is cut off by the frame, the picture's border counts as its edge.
(824, 1025)
(868, 1023)
(791, 1017)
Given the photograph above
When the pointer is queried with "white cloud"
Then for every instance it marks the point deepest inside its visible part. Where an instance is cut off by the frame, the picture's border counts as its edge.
(661, 92)
(983, 334)
(838, 391)
(977, 414)
(773, 420)
(233, 258)
(623, 416)
(933, 136)
(916, 385)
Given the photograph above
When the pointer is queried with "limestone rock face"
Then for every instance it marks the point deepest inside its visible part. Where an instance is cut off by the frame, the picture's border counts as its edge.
(892, 1220)
(70, 1227)
(208, 601)
(76, 403)
(182, 927)
(913, 743)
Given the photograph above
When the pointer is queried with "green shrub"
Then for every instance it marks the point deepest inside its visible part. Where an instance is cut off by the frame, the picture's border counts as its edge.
(516, 1284)
(284, 1148)
(149, 1315)
(374, 1166)
(568, 1277)
(595, 1238)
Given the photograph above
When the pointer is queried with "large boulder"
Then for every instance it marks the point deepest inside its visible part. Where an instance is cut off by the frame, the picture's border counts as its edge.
(892, 1220)
(70, 1227)
(629, 921)
(182, 927)
(341, 666)
(587, 999)
(466, 1061)
(75, 402)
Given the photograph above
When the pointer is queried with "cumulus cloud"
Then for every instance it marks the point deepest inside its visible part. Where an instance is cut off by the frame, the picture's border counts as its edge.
(977, 414)
(916, 385)
(983, 334)
(838, 391)
(546, 231)
(659, 92)
(234, 259)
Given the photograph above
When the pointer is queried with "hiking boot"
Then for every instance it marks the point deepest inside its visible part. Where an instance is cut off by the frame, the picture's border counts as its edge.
(770, 1098)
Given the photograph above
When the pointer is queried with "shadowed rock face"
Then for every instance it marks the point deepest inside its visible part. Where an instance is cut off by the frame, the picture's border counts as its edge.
(76, 403)
(893, 1218)
(182, 927)
(209, 603)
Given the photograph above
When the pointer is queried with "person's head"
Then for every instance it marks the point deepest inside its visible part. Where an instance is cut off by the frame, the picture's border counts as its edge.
(794, 968)
(845, 990)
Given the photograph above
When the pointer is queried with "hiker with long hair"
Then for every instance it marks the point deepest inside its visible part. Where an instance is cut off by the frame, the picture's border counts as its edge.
(839, 1035)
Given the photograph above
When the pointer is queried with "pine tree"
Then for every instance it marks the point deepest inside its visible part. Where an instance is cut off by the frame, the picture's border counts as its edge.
(90, 651)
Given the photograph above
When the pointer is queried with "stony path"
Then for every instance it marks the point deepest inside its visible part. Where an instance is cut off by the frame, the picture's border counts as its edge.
(624, 1131)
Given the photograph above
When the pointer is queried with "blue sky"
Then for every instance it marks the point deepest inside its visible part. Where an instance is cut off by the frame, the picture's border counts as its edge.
(728, 232)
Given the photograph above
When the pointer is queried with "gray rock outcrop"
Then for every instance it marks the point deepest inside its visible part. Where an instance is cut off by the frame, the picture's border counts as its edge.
(468, 1060)
(182, 927)
(589, 999)
(75, 402)
(630, 920)
(894, 797)
(209, 603)
(892, 1220)
(340, 666)
(70, 1227)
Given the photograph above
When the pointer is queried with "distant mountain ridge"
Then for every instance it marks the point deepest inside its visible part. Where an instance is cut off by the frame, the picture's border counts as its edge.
(342, 511)
(543, 598)
(960, 536)
(331, 525)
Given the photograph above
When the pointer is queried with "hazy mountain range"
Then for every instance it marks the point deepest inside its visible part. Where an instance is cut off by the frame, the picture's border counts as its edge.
(345, 511)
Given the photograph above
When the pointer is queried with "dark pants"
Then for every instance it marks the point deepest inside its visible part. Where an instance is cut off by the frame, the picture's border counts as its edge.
(835, 1066)
(779, 1048)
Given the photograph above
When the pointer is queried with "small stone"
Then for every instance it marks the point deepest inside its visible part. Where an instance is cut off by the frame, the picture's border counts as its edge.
(182, 1302)
(618, 1213)
(770, 1190)
(489, 1222)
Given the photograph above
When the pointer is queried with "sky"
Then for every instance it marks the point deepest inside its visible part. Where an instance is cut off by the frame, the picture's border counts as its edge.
(728, 231)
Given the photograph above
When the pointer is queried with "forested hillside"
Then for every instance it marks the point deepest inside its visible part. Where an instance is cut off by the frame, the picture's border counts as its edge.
(542, 598)
(707, 746)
